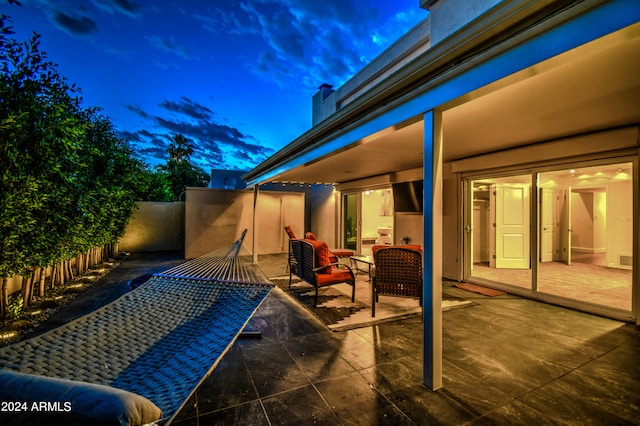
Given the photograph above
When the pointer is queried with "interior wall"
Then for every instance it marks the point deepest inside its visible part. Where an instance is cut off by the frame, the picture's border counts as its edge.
(481, 248)
(619, 222)
(582, 221)
(377, 211)
(600, 220)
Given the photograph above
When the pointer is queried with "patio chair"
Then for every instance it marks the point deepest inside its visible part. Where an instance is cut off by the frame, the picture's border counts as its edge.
(309, 261)
(398, 272)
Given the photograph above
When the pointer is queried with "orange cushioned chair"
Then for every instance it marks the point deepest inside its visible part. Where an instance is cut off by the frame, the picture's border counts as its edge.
(310, 261)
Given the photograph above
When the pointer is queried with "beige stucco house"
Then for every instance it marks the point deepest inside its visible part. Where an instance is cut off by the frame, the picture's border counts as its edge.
(520, 120)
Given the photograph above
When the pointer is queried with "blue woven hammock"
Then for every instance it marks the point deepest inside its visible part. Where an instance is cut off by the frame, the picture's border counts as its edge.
(160, 340)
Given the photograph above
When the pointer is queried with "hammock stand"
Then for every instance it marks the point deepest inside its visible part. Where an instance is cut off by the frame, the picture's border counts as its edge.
(158, 341)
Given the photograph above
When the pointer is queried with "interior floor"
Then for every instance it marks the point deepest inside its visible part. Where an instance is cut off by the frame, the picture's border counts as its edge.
(587, 279)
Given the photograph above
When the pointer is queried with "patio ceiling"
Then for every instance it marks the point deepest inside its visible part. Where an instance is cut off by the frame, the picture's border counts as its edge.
(594, 87)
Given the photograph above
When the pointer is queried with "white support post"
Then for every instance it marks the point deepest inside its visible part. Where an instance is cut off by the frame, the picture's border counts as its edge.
(254, 240)
(432, 271)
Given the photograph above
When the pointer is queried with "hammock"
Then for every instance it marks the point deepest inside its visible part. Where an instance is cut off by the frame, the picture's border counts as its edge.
(232, 266)
(159, 341)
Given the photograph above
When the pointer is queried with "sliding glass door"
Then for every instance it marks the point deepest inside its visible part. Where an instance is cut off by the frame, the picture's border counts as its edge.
(586, 234)
(367, 219)
(571, 228)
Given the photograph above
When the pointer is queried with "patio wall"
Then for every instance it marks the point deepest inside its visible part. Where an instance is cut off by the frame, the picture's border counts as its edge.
(155, 226)
(215, 218)
(324, 216)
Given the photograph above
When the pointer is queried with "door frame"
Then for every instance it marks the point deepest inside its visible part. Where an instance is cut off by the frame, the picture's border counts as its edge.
(359, 194)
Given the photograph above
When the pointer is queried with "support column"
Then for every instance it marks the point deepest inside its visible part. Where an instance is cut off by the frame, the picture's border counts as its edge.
(432, 270)
(254, 240)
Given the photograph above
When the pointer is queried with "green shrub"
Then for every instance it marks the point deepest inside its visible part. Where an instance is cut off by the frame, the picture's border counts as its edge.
(15, 306)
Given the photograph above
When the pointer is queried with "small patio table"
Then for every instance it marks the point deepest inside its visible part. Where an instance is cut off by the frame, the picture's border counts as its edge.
(362, 261)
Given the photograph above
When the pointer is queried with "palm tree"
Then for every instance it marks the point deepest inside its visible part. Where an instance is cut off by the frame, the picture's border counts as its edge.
(179, 149)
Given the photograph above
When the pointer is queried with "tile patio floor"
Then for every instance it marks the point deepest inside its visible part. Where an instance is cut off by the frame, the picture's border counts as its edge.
(507, 360)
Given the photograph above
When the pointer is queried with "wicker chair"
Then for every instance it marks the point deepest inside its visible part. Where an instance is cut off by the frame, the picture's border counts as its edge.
(398, 273)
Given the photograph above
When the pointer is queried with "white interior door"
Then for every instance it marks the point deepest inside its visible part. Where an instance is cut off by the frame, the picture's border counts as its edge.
(549, 224)
(512, 226)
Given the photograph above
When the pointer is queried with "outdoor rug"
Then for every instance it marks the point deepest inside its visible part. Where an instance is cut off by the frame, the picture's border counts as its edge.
(336, 311)
(480, 290)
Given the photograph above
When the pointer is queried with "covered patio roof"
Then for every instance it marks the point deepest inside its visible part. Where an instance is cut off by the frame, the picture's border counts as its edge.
(589, 88)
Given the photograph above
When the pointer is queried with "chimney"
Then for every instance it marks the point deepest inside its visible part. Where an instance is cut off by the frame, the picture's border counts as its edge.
(321, 111)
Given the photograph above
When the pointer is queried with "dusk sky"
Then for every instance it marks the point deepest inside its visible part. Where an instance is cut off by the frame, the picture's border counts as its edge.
(235, 77)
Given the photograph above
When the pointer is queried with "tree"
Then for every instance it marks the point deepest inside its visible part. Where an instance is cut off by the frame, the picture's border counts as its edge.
(41, 135)
(182, 174)
(179, 149)
(68, 183)
(152, 185)
(179, 172)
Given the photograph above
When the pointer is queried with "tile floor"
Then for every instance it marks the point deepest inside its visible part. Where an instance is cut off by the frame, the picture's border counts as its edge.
(507, 360)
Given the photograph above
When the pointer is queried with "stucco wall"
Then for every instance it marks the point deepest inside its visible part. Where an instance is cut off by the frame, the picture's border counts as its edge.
(215, 218)
(323, 215)
(451, 238)
(155, 226)
(412, 225)
(274, 211)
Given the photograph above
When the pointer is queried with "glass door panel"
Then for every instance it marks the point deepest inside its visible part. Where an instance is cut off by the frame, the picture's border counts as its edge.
(350, 222)
(586, 234)
(377, 219)
(500, 230)
(368, 219)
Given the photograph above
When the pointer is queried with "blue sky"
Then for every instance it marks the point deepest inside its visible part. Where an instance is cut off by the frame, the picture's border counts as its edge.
(235, 77)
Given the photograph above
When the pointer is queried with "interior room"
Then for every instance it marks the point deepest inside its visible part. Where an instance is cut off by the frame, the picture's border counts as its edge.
(584, 233)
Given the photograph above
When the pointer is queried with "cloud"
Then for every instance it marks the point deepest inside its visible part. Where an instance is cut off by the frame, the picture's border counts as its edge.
(125, 7)
(78, 26)
(168, 45)
(307, 43)
(188, 107)
(216, 145)
(138, 110)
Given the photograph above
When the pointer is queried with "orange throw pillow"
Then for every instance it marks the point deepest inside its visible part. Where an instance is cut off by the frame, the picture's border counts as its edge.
(322, 255)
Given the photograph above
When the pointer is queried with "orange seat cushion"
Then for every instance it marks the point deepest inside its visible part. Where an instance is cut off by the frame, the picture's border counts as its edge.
(336, 276)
